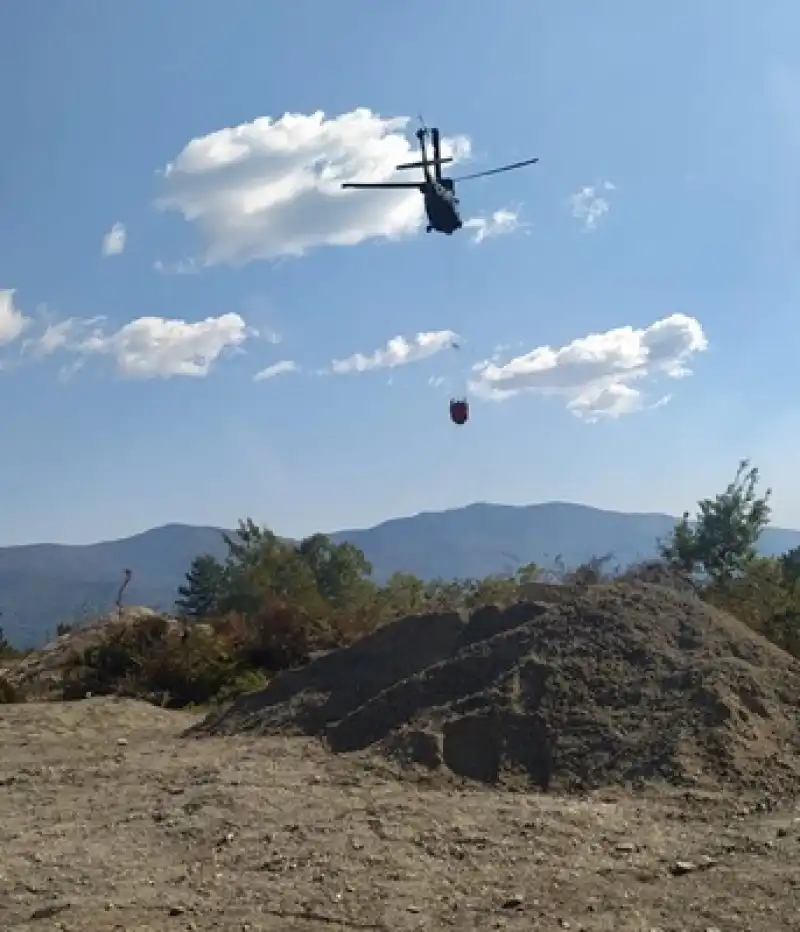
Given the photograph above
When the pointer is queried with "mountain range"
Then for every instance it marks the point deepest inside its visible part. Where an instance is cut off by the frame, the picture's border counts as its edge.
(44, 584)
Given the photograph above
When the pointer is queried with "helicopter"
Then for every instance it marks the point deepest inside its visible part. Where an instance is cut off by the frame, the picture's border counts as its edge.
(441, 203)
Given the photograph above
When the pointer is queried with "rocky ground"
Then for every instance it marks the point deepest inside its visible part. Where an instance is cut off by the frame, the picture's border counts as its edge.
(110, 819)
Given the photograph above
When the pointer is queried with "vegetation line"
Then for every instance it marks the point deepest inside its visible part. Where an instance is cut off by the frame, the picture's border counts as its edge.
(270, 605)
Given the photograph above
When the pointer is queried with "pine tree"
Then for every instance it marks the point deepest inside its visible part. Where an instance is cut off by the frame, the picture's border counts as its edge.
(200, 595)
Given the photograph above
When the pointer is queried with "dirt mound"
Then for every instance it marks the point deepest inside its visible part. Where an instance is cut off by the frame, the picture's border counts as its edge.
(623, 683)
(307, 700)
(41, 672)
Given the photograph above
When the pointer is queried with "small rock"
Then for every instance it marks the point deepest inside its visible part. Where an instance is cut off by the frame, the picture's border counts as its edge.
(413, 909)
(626, 847)
(513, 902)
(176, 910)
(122, 742)
(679, 868)
(50, 910)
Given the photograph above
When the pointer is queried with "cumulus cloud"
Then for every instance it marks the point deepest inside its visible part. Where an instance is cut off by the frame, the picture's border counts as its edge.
(500, 223)
(114, 241)
(589, 205)
(12, 321)
(279, 368)
(272, 187)
(599, 375)
(398, 351)
(150, 347)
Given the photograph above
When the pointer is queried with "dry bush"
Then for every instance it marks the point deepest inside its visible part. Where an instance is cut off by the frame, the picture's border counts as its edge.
(280, 635)
(230, 627)
(765, 600)
(347, 627)
(9, 693)
(156, 660)
(176, 665)
(660, 573)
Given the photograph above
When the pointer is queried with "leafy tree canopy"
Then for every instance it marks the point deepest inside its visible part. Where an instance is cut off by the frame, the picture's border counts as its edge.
(720, 542)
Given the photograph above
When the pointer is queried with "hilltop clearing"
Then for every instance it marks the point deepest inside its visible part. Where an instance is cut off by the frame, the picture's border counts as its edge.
(111, 821)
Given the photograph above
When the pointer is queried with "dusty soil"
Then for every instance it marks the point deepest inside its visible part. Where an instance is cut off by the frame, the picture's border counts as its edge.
(620, 684)
(109, 819)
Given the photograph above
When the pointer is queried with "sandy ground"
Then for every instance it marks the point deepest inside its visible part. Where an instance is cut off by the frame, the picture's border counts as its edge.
(110, 820)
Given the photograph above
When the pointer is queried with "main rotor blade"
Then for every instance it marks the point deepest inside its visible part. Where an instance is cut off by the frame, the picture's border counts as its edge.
(496, 171)
(385, 184)
(430, 162)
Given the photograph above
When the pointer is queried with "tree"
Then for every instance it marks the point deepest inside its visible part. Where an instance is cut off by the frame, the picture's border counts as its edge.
(403, 594)
(527, 573)
(203, 590)
(261, 568)
(251, 567)
(790, 567)
(445, 595)
(340, 570)
(721, 541)
(250, 543)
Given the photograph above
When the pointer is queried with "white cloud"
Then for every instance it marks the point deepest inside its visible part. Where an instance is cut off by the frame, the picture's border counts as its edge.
(397, 352)
(65, 373)
(63, 335)
(13, 322)
(598, 374)
(500, 223)
(150, 347)
(114, 240)
(279, 368)
(589, 205)
(179, 267)
(272, 188)
(259, 307)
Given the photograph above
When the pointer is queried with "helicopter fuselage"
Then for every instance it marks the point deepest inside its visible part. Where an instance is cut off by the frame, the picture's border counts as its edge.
(441, 206)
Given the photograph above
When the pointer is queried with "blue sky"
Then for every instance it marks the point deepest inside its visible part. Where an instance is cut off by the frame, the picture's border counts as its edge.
(679, 122)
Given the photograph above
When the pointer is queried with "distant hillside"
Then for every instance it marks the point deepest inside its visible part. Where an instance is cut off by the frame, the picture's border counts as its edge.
(43, 584)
